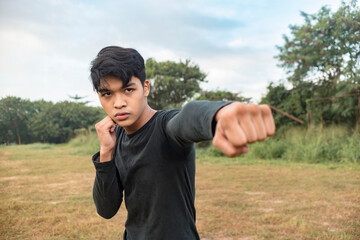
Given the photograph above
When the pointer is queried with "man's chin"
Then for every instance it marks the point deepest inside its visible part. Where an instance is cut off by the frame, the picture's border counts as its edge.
(123, 124)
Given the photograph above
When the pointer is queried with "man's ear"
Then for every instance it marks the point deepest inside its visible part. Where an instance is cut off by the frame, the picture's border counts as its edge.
(146, 88)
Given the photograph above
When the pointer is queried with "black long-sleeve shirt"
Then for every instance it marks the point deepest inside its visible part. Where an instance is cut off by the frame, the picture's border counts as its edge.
(155, 167)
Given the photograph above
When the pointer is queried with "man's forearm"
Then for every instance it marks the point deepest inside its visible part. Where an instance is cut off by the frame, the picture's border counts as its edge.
(107, 190)
(194, 123)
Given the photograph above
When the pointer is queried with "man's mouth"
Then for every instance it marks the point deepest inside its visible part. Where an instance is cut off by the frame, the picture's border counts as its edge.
(121, 116)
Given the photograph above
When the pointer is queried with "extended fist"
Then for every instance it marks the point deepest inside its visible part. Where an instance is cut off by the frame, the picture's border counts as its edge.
(239, 124)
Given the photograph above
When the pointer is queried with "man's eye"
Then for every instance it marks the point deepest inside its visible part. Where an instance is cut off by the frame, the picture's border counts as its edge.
(128, 90)
(106, 94)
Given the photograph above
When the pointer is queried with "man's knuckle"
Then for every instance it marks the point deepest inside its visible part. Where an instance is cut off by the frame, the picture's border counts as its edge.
(242, 142)
(254, 109)
(261, 138)
(240, 108)
(261, 135)
(228, 115)
(231, 153)
(271, 132)
(265, 110)
(216, 142)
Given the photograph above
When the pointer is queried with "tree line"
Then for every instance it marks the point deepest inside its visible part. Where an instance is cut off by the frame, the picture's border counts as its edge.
(321, 57)
(322, 60)
(172, 84)
(25, 121)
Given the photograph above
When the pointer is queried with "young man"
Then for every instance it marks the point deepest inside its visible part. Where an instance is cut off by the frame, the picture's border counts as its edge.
(149, 155)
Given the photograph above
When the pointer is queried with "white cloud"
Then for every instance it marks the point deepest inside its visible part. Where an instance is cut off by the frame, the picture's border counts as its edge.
(20, 41)
(247, 73)
(46, 47)
(161, 54)
(237, 43)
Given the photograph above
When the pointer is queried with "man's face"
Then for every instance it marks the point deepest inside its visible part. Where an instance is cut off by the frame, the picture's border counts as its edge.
(124, 104)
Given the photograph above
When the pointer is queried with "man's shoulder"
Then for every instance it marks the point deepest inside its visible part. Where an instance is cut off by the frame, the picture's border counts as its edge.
(164, 116)
(169, 113)
(161, 120)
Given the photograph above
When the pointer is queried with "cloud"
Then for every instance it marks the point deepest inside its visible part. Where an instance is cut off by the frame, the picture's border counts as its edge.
(247, 73)
(46, 46)
(237, 43)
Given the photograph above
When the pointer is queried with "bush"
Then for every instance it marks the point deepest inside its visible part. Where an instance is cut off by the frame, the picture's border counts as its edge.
(316, 145)
(85, 144)
(269, 149)
(351, 149)
(80, 131)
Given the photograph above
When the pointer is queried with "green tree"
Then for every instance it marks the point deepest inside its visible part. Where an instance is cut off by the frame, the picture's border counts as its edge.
(14, 114)
(325, 52)
(292, 101)
(337, 108)
(56, 123)
(172, 83)
(23, 121)
(221, 95)
(36, 123)
(78, 99)
(325, 48)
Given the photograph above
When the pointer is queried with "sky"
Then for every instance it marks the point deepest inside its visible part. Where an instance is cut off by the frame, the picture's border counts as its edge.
(46, 46)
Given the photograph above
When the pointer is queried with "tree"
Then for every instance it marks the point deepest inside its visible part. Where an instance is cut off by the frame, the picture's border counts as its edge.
(56, 123)
(325, 48)
(172, 83)
(23, 121)
(14, 112)
(292, 101)
(221, 95)
(78, 99)
(324, 52)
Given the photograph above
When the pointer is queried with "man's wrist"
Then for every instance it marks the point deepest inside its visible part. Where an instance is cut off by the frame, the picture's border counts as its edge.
(106, 156)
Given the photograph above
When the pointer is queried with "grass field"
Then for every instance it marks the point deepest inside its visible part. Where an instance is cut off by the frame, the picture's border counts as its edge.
(46, 193)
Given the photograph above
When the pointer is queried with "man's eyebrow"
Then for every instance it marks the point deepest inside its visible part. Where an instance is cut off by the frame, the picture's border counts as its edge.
(103, 90)
(129, 85)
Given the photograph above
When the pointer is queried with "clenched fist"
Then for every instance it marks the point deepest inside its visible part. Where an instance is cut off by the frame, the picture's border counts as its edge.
(105, 130)
(239, 124)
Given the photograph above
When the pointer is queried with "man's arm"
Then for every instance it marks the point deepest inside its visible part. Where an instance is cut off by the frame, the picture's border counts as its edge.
(237, 124)
(108, 189)
(195, 122)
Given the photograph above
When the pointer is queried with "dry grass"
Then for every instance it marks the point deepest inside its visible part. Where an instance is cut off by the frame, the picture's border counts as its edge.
(45, 193)
(265, 201)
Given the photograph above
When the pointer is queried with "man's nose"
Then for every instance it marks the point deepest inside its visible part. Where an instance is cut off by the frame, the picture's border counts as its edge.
(119, 101)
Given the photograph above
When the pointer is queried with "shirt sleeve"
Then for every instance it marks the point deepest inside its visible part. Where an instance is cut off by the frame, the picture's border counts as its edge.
(195, 122)
(107, 190)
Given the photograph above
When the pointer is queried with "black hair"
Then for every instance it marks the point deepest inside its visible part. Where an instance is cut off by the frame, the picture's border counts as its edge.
(122, 63)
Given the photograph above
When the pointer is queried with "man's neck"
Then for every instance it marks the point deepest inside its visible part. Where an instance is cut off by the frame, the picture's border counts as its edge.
(144, 118)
